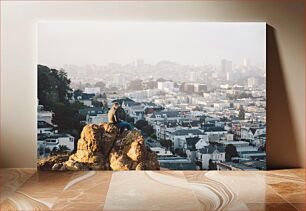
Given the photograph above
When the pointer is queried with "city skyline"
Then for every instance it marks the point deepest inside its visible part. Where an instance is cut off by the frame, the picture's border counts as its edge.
(243, 63)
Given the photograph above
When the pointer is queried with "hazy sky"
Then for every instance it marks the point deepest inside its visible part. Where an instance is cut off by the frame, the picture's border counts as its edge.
(99, 43)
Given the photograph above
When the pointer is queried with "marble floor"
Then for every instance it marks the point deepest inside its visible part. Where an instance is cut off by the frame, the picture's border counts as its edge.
(28, 189)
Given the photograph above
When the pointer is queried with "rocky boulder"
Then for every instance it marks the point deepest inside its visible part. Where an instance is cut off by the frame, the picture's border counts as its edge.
(131, 153)
(101, 147)
(53, 162)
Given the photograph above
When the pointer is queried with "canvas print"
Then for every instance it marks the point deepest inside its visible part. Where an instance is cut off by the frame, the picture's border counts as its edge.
(151, 96)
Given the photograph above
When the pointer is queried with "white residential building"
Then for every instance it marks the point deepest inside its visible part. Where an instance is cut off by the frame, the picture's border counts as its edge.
(166, 86)
(178, 137)
(45, 116)
(87, 102)
(44, 127)
(92, 90)
(96, 119)
(203, 142)
(250, 133)
(252, 82)
(241, 146)
(52, 141)
(210, 153)
(136, 111)
(161, 152)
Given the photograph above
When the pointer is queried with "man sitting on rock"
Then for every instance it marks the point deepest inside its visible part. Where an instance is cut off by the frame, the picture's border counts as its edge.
(113, 118)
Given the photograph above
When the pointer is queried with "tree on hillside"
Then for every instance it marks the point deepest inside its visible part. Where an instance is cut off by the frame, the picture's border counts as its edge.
(100, 84)
(96, 103)
(212, 165)
(65, 92)
(224, 119)
(47, 150)
(166, 143)
(148, 129)
(180, 152)
(241, 114)
(66, 116)
(145, 127)
(230, 151)
(54, 93)
(104, 95)
(130, 120)
(262, 148)
(141, 123)
(53, 86)
(77, 93)
(121, 114)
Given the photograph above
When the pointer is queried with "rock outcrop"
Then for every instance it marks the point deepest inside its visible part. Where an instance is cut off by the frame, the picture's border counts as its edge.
(130, 152)
(52, 162)
(101, 147)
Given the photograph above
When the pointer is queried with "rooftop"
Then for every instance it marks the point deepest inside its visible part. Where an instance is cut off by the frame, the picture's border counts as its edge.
(92, 110)
(184, 132)
(43, 124)
(41, 137)
(210, 149)
(242, 167)
(126, 99)
(191, 142)
(176, 163)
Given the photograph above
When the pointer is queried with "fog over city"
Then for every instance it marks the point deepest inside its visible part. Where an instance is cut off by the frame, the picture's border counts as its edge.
(188, 43)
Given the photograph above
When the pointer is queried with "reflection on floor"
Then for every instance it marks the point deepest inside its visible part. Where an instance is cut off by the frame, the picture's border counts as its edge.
(28, 189)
